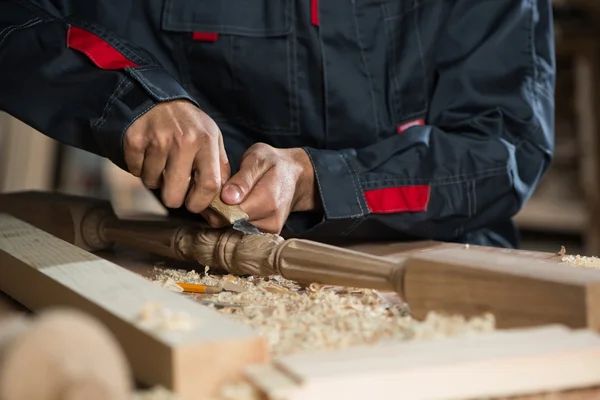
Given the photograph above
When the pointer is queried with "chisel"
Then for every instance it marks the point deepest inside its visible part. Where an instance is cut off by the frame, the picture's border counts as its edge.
(234, 215)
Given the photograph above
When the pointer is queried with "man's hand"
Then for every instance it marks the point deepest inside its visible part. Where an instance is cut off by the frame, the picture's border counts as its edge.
(270, 184)
(169, 143)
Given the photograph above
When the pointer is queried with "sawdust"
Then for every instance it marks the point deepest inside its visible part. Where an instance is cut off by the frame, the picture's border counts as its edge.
(582, 261)
(319, 317)
(296, 319)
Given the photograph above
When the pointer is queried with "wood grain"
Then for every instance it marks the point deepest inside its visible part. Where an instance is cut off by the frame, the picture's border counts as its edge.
(230, 212)
(519, 291)
(41, 271)
(500, 364)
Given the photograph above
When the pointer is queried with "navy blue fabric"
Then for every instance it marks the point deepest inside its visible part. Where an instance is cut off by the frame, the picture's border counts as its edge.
(481, 74)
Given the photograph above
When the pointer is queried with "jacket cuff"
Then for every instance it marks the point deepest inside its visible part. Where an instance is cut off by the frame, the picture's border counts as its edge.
(137, 93)
(343, 203)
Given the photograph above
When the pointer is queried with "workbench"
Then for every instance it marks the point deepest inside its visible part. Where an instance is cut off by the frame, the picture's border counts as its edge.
(143, 264)
(525, 289)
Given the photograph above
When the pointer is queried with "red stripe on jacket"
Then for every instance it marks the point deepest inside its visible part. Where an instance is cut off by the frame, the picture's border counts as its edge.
(398, 199)
(100, 52)
(314, 12)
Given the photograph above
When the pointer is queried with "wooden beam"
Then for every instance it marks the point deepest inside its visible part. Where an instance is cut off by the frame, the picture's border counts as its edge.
(504, 363)
(41, 271)
(519, 291)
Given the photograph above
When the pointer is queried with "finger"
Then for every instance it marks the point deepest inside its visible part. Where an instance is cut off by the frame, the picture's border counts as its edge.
(152, 170)
(266, 197)
(214, 219)
(134, 147)
(176, 176)
(252, 169)
(224, 162)
(206, 179)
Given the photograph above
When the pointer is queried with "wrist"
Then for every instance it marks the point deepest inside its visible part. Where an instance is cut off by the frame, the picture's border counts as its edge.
(306, 197)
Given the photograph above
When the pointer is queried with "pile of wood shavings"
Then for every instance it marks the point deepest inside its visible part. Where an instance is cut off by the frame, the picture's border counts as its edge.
(296, 319)
(582, 261)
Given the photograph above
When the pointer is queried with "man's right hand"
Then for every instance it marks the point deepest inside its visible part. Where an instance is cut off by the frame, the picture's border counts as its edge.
(173, 142)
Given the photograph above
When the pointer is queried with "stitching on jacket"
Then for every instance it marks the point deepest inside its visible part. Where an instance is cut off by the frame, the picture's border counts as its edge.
(447, 180)
(363, 57)
(158, 92)
(111, 101)
(10, 29)
(355, 183)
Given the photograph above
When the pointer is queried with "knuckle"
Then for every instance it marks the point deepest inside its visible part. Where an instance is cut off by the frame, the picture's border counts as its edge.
(135, 142)
(188, 138)
(260, 147)
(210, 184)
(160, 143)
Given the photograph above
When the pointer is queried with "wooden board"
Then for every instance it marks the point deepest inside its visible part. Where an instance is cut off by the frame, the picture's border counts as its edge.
(40, 271)
(519, 291)
(509, 363)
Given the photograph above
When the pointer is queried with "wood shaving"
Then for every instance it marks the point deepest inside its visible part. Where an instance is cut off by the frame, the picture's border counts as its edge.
(296, 319)
(157, 317)
(169, 284)
(582, 261)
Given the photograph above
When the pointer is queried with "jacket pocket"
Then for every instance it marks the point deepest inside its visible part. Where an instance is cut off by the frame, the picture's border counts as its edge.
(237, 58)
(411, 28)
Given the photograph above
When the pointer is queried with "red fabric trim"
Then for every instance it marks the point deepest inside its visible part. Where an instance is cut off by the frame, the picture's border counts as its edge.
(410, 124)
(314, 12)
(398, 199)
(101, 53)
(205, 36)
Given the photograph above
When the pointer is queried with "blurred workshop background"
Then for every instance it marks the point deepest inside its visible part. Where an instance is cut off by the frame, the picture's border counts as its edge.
(564, 210)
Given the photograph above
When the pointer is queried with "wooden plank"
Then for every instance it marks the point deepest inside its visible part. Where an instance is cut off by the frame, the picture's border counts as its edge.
(40, 271)
(519, 291)
(504, 363)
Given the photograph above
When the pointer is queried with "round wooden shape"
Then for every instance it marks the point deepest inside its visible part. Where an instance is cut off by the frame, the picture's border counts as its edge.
(65, 355)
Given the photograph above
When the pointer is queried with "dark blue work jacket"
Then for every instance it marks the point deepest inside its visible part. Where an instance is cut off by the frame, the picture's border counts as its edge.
(423, 118)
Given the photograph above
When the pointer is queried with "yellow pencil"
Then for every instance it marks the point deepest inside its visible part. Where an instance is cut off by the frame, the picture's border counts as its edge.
(197, 288)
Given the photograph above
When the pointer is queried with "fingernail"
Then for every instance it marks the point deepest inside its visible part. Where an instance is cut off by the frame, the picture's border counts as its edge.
(231, 194)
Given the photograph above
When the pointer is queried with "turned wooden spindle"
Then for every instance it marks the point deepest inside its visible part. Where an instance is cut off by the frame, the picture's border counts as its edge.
(92, 225)
(296, 259)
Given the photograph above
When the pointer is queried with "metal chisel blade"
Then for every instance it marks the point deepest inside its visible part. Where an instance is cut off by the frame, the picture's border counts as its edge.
(244, 226)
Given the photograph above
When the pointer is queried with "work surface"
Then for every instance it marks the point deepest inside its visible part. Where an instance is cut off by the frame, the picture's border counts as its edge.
(143, 264)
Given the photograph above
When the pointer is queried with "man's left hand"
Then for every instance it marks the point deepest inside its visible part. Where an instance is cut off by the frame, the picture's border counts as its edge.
(270, 184)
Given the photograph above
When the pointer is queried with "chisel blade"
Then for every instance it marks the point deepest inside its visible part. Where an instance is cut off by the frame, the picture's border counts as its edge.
(244, 226)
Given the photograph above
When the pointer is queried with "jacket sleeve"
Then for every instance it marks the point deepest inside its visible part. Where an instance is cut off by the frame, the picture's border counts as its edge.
(487, 140)
(69, 69)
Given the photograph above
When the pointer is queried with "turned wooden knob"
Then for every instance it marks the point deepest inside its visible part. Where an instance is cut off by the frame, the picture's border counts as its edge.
(63, 354)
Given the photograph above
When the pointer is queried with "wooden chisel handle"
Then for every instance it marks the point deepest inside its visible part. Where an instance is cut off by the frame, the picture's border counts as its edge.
(230, 212)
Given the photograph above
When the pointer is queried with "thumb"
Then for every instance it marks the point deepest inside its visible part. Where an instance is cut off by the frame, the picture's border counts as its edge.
(251, 170)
